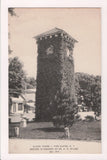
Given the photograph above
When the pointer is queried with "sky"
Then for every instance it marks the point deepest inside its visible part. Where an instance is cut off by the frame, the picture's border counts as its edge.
(83, 24)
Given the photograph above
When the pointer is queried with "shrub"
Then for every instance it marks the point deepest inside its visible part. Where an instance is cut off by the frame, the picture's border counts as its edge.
(57, 121)
(89, 118)
(77, 117)
(65, 110)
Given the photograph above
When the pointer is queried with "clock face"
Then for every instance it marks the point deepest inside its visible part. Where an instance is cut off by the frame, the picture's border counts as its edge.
(50, 50)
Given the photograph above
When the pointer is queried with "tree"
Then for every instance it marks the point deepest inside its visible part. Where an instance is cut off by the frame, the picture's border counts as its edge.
(16, 77)
(11, 12)
(65, 110)
(89, 87)
(30, 82)
(96, 96)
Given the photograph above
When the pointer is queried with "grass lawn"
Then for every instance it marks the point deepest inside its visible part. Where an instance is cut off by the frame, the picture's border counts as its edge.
(80, 130)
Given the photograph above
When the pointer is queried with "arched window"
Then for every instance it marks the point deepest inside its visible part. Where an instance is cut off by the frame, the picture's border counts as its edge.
(68, 52)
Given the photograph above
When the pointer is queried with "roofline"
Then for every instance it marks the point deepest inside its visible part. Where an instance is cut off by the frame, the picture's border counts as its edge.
(50, 34)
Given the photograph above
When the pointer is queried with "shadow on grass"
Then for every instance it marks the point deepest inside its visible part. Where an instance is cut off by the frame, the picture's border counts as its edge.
(51, 129)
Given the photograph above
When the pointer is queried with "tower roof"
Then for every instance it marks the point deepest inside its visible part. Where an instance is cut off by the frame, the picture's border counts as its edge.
(54, 31)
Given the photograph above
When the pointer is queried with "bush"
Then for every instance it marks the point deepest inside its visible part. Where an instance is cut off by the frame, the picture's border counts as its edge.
(65, 109)
(56, 121)
(89, 118)
(77, 117)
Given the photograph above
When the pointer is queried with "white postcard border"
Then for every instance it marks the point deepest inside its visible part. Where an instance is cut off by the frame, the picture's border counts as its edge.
(4, 75)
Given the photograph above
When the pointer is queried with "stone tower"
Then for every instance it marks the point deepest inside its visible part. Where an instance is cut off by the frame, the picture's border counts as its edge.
(55, 70)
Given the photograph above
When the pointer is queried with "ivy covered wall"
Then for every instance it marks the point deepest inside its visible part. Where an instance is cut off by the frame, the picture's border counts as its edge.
(55, 73)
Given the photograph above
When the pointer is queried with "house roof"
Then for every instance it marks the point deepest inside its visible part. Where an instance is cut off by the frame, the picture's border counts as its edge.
(30, 90)
(30, 97)
(17, 100)
(30, 94)
(31, 104)
(53, 32)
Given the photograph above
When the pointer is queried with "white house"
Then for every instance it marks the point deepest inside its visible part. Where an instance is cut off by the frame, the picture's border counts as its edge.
(17, 105)
(30, 100)
(22, 106)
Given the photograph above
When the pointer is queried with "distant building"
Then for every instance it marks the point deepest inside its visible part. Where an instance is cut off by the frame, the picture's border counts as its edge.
(16, 108)
(22, 106)
(30, 100)
(17, 105)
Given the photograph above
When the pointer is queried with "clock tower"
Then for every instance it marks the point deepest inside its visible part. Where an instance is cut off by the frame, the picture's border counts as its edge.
(55, 70)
